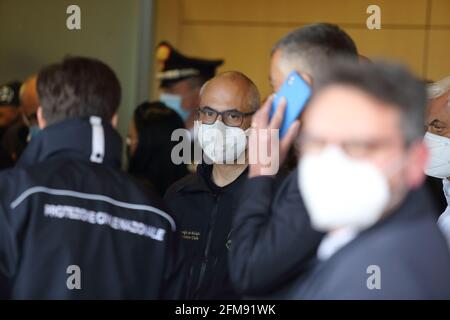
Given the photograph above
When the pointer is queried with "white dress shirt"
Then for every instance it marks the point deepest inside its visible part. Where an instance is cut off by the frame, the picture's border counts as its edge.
(444, 219)
(334, 241)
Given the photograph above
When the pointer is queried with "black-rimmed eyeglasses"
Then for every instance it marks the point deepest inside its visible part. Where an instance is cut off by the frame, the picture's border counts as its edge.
(232, 118)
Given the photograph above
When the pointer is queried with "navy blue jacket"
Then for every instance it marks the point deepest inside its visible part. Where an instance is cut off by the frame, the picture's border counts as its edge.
(203, 213)
(406, 247)
(67, 204)
(273, 240)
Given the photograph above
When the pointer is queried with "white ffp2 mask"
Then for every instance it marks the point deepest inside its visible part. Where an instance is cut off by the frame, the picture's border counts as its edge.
(438, 165)
(222, 144)
(339, 191)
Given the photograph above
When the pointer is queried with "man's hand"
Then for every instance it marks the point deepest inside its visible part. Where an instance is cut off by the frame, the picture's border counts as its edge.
(265, 134)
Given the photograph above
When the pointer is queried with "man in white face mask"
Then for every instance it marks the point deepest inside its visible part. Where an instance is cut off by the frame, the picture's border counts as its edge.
(271, 223)
(361, 166)
(438, 140)
(204, 203)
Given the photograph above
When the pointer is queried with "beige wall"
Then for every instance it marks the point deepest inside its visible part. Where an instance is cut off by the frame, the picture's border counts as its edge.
(34, 33)
(242, 32)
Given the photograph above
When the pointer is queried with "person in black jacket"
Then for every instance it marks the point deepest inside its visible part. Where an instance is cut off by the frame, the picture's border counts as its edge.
(360, 174)
(72, 225)
(149, 146)
(265, 226)
(203, 204)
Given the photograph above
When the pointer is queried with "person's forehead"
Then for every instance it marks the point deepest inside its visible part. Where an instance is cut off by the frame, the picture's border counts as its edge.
(29, 97)
(439, 106)
(275, 58)
(276, 75)
(347, 112)
(30, 90)
(179, 86)
(225, 94)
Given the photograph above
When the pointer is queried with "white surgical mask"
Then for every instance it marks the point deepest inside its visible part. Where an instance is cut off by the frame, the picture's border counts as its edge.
(339, 191)
(221, 143)
(439, 162)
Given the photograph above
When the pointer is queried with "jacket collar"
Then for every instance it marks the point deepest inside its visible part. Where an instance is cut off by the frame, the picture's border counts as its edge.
(202, 181)
(85, 139)
(446, 187)
(416, 206)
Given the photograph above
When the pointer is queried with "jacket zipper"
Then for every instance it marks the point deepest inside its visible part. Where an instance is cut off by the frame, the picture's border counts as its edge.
(212, 222)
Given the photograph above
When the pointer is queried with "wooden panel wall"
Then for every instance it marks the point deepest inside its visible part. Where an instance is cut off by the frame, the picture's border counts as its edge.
(416, 32)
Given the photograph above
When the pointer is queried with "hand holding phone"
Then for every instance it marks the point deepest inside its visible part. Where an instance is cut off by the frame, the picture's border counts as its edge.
(296, 92)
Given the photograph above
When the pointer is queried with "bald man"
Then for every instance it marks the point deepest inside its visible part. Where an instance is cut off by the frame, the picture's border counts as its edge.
(29, 102)
(204, 203)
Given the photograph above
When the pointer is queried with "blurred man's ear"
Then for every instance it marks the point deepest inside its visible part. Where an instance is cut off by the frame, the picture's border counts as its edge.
(307, 78)
(40, 117)
(417, 161)
(115, 120)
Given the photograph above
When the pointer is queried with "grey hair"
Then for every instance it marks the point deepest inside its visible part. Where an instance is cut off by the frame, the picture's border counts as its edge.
(309, 49)
(387, 82)
(438, 89)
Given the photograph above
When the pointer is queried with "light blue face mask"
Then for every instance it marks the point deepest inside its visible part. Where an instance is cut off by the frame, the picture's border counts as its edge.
(173, 101)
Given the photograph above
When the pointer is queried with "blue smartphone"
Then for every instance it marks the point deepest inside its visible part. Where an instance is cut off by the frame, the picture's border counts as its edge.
(296, 92)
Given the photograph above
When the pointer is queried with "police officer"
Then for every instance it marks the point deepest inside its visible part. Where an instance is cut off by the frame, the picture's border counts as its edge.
(9, 104)
(181, 78)
(10, 123)
(72, 225)
(204, 204)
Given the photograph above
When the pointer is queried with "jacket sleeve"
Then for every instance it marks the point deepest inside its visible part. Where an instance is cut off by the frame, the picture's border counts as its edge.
(8, 252)
(175, 274)
(177, 266)
(273, 239)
